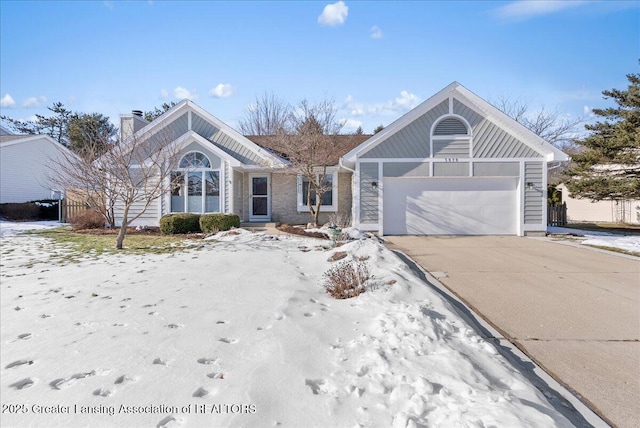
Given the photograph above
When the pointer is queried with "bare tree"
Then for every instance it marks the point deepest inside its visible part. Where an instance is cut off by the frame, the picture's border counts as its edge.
(548, 124)
(267, 116)
(134, 173)
(309, 140)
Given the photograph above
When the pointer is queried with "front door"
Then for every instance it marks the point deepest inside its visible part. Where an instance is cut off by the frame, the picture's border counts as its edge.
(259, 197)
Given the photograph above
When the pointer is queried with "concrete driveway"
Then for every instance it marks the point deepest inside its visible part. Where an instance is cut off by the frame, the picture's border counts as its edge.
(574, 311)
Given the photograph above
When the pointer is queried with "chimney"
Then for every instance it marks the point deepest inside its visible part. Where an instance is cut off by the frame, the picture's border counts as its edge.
(136, 113)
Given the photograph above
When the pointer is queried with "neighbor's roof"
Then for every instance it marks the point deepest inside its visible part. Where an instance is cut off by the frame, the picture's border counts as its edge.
(346, 143)
(7, 138)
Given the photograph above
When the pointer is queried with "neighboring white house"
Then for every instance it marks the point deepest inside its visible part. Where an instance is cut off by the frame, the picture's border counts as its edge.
(584, 210)
(454, 165)
(25, 162)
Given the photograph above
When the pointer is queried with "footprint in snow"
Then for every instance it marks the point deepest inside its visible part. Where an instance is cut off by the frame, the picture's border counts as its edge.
(23, 384)
(103, 392)
(160, 361)
(175, 326)
(309, 314)
(207, 360)
(169, 422)
(228, 340)
(201, 392)
(214, 375)
(64, 383)
(222, 322)
(316, 385)
(19, 363)
(126, 379)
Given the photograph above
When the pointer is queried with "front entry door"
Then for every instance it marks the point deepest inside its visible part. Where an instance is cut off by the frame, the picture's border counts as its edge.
(260, 197)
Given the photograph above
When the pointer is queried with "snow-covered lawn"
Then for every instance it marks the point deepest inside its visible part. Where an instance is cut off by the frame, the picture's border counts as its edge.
(602, 239)
(242, 333)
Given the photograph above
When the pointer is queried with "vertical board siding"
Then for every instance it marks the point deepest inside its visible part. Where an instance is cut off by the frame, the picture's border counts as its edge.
(533, 202)
(412, 141)
(228, 176)
(451, 169)
(225, 142)
(405, 169)
(450, 148)
(368, 194)
(216, 162)
(496, 169)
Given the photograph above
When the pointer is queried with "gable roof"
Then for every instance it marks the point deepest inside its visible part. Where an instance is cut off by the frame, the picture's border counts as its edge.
(491, 113)
(345, 143)
(185, 106)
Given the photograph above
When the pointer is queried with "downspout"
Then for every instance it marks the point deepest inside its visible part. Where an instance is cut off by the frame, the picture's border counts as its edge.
(353, 184)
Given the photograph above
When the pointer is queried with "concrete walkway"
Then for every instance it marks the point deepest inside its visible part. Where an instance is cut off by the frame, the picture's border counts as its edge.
(574, 311)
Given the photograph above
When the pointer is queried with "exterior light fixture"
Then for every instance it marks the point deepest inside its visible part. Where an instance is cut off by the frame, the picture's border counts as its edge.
(530, 185)
(374, 184)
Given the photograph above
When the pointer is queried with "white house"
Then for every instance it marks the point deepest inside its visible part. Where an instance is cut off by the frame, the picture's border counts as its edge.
(454, 165)
(25, 162)
(584, 210)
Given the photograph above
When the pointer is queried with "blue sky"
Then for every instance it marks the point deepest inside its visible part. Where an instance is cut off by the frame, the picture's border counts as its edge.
(377, 60)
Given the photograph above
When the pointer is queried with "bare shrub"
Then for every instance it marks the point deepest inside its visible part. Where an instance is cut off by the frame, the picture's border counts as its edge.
(89, 219)
(347, 279)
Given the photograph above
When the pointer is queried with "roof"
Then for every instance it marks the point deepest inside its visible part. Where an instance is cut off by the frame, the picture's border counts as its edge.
(7, 138)
(346, 143)
(490, 112)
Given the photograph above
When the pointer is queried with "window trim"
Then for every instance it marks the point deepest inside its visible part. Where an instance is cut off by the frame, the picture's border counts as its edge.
(301, 200)
(185, 172)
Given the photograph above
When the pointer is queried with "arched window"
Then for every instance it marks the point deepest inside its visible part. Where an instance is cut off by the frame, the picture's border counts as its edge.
(451, 138)
(450, 126)
(195, 186)
(195, 160)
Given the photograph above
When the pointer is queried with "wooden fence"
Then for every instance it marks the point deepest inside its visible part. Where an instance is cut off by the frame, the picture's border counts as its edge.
(557, 215)
(71, 208)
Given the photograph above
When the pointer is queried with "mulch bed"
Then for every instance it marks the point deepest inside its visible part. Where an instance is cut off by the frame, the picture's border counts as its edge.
(294, 230)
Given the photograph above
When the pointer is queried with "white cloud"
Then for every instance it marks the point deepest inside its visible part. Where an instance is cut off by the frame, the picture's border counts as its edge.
(183, 93)
(588, 111)
(7, 101)
(108, 4)
(223, 90)
(334, 14)
(405, 102)
(164, 94)
(524, 9)
(375, 32)
(350, 124)
(34, 102)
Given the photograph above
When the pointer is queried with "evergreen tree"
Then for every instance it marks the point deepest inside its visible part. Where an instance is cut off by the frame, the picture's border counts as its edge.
(91, 131)
(359, 131)
(151, 115)
(56, 126)
(378, 129)
(609, 167)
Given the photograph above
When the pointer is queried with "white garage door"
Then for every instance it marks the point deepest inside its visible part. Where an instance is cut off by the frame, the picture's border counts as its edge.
(450, 206)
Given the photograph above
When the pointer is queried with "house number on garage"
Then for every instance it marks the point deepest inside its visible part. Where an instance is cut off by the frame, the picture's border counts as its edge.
(451, 159)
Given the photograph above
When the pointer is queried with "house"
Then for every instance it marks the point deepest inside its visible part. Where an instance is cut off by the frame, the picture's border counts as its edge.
(221, 170)
(454, 165)
(25, 162)
(584, 210)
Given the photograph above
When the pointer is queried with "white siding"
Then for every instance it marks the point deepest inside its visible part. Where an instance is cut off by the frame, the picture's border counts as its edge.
(25, 170)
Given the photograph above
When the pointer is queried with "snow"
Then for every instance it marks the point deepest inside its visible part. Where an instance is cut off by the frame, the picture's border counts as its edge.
(602, 239)
(10, 228)
(240, 332)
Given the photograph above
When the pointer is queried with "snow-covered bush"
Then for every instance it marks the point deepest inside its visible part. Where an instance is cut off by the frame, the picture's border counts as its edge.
(172, 224)
(347, 279)
(212, 223)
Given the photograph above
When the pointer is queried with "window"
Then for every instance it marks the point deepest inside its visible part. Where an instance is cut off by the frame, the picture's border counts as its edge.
(195, 187)
(329, 197)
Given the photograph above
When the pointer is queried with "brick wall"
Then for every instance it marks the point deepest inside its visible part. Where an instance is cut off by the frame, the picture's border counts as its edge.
(284, 201)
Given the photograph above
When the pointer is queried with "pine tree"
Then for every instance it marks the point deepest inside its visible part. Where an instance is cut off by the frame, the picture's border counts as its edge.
(609, 167)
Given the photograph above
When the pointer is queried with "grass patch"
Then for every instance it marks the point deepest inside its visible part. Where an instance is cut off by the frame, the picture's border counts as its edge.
(615, 250)
(87, 243)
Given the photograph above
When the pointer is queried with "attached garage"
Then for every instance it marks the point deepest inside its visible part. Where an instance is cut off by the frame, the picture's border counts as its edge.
(450, 206)
(454, 165)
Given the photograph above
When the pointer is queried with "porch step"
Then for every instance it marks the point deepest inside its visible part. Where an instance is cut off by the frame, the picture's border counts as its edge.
(259, 225)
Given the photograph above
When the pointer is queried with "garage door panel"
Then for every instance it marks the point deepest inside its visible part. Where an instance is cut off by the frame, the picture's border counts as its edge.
(450, 206)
